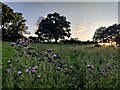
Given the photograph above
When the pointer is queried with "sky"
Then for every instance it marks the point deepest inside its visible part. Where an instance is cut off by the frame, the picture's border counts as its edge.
(85, 17)
(59, 0)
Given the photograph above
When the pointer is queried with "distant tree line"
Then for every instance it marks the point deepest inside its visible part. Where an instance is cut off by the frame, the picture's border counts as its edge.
(13, 24)
(108, 34)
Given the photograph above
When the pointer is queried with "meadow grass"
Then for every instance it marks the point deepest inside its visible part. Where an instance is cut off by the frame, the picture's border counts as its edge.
(85, 66)
(0, 64)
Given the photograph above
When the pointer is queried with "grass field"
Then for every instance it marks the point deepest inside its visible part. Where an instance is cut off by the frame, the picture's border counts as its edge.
(60, 66)
(0, 65)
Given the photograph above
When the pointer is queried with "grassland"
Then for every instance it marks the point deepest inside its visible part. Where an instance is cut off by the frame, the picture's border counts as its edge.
(0, 65)
(60, 66)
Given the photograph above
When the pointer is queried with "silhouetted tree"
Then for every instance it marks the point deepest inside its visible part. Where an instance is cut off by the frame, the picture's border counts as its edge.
(109, 34)
(99, 34)
(54, 26)
(13, 24)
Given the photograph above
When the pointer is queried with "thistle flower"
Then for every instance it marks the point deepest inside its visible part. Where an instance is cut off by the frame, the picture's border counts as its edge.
(20, 43)
(9, 62)
(50, 50)
(33, 71)
(54, 56)
(33, 68)
(36, 67)
(19, 73)
(27, 71)
(38, 76)
(90, 66)
(13, 44)
(58, 68)
(9, 71)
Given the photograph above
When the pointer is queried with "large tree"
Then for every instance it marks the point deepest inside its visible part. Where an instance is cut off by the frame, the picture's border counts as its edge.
(13, 24)
(109, 34)
(54, 26)
(99, 34)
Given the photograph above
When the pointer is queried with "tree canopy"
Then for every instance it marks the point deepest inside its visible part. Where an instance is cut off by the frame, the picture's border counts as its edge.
(13, 24)
(109, 34)
(54, 26)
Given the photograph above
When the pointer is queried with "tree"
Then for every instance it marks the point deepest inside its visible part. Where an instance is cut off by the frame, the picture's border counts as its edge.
(109, 34)
(54, 26)
(13, 24)
(99, 34)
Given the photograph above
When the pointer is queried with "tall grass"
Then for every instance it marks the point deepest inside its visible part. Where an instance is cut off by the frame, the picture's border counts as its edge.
(76, 66)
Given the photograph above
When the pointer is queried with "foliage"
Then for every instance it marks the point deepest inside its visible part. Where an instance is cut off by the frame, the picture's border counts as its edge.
(54, 26)
(109, 34)
(60, 66)
(13, 24)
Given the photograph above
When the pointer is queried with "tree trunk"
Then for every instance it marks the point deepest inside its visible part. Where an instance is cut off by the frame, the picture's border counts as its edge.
(56, 40)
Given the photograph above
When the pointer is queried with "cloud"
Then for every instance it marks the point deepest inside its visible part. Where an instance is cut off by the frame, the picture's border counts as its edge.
(80, 28)
(39, 20)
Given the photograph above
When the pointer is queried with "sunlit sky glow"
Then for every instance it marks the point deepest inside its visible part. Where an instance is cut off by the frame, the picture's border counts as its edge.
(85, 17)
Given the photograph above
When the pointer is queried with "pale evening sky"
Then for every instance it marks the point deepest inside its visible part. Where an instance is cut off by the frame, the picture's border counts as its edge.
(85, 17)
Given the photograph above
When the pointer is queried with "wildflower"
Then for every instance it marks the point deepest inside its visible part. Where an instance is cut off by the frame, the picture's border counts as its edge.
(50, 50)
(21, 43)
(27, 71)
(9, 71)
(19, 73)
(36, 67)
(38, 76)
(33, 68)
(58, 68)
(54, 56)
(9, 62)
(90, 66)
(33, 71)
(45, 54)
(13, 44)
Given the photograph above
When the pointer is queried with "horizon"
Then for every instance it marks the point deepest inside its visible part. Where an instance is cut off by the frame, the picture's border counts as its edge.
(85, 17)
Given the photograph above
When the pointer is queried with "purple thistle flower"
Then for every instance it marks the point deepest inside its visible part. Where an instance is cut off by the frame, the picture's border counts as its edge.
(19, 73)
(33, 71)
(21, 43)
(33, 68)
(27, 70)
